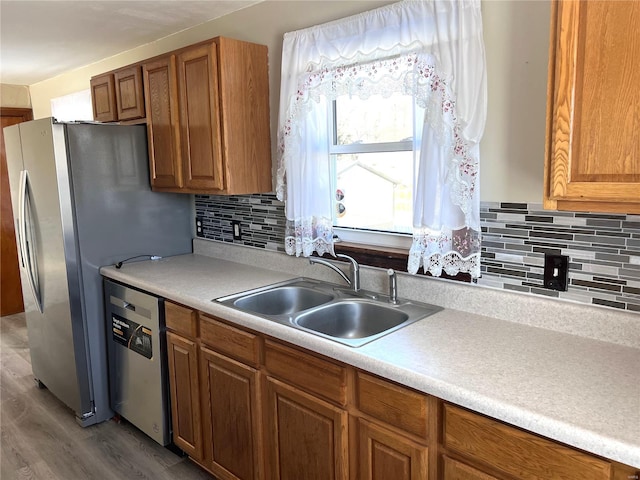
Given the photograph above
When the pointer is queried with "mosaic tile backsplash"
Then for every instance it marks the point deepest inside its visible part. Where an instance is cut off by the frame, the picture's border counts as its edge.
(603, 249)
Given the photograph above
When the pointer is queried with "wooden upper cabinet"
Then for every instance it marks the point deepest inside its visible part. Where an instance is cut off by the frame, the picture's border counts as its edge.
(593, 121)
(222, 120)
(161, 99)
(207, 112)
(103, 98)
(118, 96)
(244, 111)
(129, 93)
(201, 151)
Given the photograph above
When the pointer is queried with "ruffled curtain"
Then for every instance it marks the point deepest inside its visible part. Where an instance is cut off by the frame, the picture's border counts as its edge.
(432, 50)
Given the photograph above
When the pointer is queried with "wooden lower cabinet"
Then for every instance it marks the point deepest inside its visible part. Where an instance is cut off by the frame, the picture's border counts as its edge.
(185, 394)
(454, 470)
(231, 417)
(306, 436)
(623, 472)
(515, 452)
(383, 455)
(247, 407)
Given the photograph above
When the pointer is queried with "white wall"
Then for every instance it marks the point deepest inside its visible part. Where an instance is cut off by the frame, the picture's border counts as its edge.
(516, 41)
(14, 96)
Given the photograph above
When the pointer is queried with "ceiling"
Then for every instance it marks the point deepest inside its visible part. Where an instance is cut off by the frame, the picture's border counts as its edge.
(42, 39)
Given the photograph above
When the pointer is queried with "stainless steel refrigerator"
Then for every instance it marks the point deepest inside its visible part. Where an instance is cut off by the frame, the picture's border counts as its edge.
(81, 196)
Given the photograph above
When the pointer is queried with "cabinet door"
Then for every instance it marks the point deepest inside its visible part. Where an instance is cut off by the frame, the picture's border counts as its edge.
(185, 394)
(161, 98)
(306, 436)
(593, 157)
(232, 416)
(103, 99)
(199, 118)
(129, 96)
(384, 454)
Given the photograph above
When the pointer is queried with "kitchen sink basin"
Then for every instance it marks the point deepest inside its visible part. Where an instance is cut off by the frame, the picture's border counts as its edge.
(282, 300)
(330, 311)
(351, 319)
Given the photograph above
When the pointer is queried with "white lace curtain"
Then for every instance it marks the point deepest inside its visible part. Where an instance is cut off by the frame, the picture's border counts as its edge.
(432, 50)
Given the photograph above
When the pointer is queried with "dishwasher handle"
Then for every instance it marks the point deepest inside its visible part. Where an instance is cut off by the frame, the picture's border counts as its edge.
(131, 307)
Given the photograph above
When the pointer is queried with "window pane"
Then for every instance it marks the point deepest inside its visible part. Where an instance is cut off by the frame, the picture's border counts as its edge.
(374, 191)
(374, 120)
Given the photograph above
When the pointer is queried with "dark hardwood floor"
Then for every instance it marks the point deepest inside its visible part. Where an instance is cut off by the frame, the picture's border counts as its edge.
(41, 440)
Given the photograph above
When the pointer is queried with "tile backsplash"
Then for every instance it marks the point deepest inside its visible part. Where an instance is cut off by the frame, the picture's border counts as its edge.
(261, 218)
(603, 249)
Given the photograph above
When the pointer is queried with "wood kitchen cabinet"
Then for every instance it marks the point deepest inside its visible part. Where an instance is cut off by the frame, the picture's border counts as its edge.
(306, 423)
(307, 436)
(454, 470)
(248, 407)
(208, 119)
(184, 378)
(232, 401)
(118, 96)
(129, 93)
(384, 454)
(231, 416)
(185, 394)
(163, 129)
(508, 452)
(103, 98)
(400, 453)
(593, 128)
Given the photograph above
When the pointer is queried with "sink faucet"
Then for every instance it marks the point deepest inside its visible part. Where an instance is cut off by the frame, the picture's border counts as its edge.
(354, 269)
(393, 286)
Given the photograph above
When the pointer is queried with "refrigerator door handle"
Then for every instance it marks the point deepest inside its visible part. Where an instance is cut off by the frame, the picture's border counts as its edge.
(26, 236)
(19, 238)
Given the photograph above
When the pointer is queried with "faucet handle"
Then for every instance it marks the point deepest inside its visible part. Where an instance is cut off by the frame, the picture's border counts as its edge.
(355, 271)
(393, 286)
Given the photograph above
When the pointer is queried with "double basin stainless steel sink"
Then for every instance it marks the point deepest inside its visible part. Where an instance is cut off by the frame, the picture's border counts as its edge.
(330, 311)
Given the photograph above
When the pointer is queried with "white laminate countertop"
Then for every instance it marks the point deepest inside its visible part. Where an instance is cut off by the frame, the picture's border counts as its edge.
(575, 390)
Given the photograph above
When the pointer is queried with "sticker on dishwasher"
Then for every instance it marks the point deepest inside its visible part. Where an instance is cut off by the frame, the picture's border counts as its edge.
(131, 335)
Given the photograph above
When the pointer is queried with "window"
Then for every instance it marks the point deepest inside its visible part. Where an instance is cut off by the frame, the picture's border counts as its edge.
(372, 163)
(381, 115)
(72, 107)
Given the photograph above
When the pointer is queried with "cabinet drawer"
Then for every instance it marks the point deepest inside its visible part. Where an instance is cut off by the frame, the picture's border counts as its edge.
(181, 319)
(396, 405)
(232, 341)
(518, 453)
(454, 470)
(314, 374)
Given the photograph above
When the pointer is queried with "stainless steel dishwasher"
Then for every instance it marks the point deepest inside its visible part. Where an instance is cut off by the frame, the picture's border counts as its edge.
(137, 359)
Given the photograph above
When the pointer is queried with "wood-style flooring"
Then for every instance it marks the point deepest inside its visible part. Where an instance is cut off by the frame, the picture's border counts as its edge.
(40, 438)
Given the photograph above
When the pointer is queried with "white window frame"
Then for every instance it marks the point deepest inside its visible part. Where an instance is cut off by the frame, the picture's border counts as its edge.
(357, 235)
